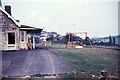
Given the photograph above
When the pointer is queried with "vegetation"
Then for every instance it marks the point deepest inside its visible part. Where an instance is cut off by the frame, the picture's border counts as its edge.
(89, 60)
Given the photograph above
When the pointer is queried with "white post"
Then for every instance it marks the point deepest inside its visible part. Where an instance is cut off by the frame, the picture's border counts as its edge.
(33, 41)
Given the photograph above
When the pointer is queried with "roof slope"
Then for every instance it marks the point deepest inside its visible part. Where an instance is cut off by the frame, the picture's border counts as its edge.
(18, 24)
(29, 27)
(9, 16)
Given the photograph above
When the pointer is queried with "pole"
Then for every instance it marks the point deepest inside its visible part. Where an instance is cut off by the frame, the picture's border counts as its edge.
(68, 43)
(72, 39)
(33, 41)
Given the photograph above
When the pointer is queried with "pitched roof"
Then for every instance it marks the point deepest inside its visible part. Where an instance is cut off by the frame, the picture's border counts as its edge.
(26, 27)
(10, 17)
(30, 29)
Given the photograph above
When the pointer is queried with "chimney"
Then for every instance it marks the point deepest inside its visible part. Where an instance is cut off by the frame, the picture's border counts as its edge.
(18, 20)
(8, 9)
(0, 3)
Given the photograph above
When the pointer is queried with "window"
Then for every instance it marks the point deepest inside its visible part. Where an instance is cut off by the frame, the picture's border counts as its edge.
(22, 36)
(11, 38)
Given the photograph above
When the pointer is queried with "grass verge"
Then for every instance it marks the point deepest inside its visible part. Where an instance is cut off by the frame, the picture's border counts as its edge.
(89, 60)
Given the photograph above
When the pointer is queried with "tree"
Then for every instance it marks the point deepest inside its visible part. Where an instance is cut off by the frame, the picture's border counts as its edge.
(87, 41)
(110, 40)
(113, 40)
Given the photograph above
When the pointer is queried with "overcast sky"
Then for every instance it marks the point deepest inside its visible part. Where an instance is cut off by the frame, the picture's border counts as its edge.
(97, 17)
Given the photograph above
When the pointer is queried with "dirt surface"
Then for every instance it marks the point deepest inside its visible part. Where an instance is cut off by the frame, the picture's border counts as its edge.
(28, 62)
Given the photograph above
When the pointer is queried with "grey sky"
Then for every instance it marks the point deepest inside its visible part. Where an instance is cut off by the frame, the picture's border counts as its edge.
(97, 17)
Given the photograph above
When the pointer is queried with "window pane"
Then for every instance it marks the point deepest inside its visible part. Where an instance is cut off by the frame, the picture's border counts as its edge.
(22, 36)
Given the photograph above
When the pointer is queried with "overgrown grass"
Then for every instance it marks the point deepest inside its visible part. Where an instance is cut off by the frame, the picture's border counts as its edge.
(89, 59)
(57, 46)
(78, 59)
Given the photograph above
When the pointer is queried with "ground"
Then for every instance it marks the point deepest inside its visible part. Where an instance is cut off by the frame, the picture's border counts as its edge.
(39, 61)
(56, 59)
(90, 60)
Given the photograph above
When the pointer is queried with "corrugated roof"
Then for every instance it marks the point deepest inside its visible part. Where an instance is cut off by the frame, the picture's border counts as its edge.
(9, 16)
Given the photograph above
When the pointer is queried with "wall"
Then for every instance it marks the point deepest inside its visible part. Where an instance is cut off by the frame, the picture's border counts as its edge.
(0, 30)
(23, 44)
(8, 26)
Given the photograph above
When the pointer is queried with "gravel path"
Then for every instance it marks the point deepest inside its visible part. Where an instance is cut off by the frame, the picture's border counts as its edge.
(43, 61)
